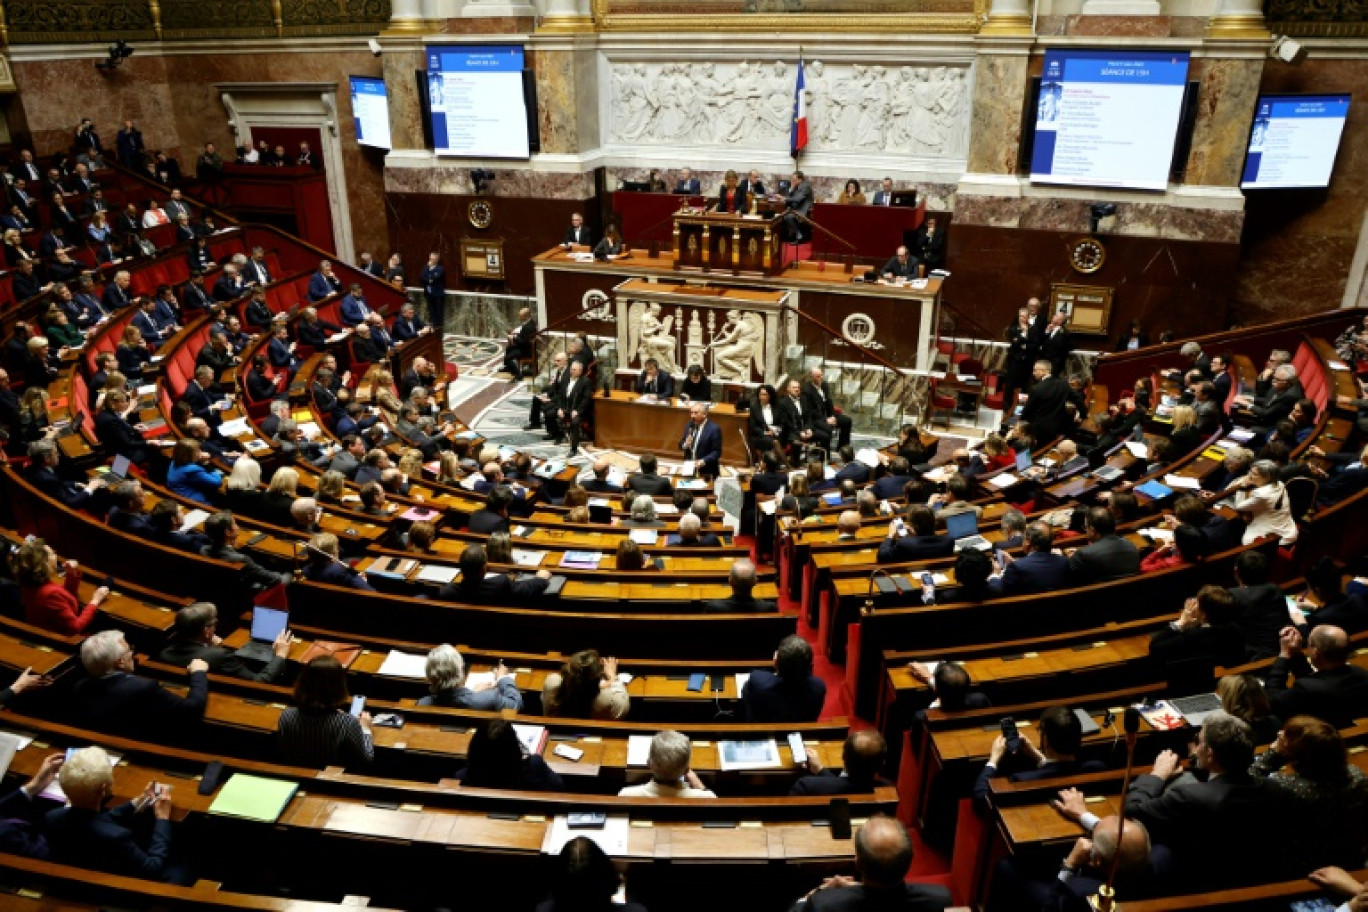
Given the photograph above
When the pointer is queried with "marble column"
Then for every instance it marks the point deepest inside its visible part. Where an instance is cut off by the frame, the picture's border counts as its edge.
(564, 16)
(1230, 88)
(402, 58)
(1238, 19)
(406, 15)
(1000, 82)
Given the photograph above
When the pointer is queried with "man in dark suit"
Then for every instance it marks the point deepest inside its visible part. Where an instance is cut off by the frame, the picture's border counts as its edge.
(883, 856)
(1107, 557)
(128, 513)
(599, 484)
(116, 435)
(520, 342)
(42, 473)
(324, 283)
(1218, 828)
(433, 279)
(222, 531)
(884, 195)
(578, 234)
(1266, 409)
(652, 381)
(193, 637)
(691, 534)
(1335, 691)
(799, 204)
(915, 539)
(256, 272)
(851, 468)
(368, 263)
(891, 485)
(544, 403)
(129, 145)
(798, 426)
(216, 354)
(647, 481)
(687, 183)
(1056, 343)
(1046, 405)
(354, 308)
(1061, 739)
(229, 286)
(789, 693)
(702, 442)
(901, 266)
(201, 394)
(1345, 478)
(1040, 569)
(493, 517)
(1204, 631)
(24, 282)
(817, 398)
(862, 756)
(112, 699)
(742, 578)
(477, 587)
(407, 325)
(929, 244)
(1260, 608)
(574, 406)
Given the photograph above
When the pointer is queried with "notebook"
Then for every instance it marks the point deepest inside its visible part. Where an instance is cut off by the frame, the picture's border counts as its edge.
(253, 798)
(1108, 473)
(267, 624)
(963, 528)
(1154, 490)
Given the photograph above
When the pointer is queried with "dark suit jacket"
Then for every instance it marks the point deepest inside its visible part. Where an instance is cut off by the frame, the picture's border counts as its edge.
(487, 521)
(494, 590)
(221, 661)
(857, 472)
(320, 286)
(860, 898)
(1222, 534)
(405, 329)
(105, 841)
(69, 493)
(1341, 485)
(586, 236)
(198, 398)
(652, 484)
(1035, 572)
(1054, 769)
(767, 698)
(134, 707)
(595, 486)
(1339, 695)
(900, 270)
(119, 438)
(1045, 408)
(800, 198)
(662, 386)
(709, 448)
(1108, 558)
(580, 399)
(828, 782)
(1222, 645)
(819, 404)
(688, 186)
(791, 423)
(1277, 407)
(737, 605)
(1260, 614)
(890, 486)
(915, 547)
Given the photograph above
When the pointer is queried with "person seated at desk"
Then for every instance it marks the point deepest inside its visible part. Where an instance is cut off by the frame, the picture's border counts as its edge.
(696, 386)
(586, 687)
(318, 731)
(188, 475)
(611, 246)
(691, 534)
(193, 637)
(1107, 557)
(629, 558)
(113, 699)
(495, 759)
(323, 563)
(578, 234)
(916, 539)
(732, 198)
(671, 776)
(646, 481)
(585, 878)
(862, 757)
(789, 693)
(652, 381)
(600, 484)
(48, 604)
(1327, 685)
(116, 435)
(476, 586)
(446, 677)
(165, 519)
(1040, 569)
(883, 856)
(851, 195)
(798, 204)
(1205, 629)
(687, 183)
(1061, 739)
(493, 516)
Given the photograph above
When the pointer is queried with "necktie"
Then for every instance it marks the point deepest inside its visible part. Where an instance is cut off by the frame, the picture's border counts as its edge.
(693, 450)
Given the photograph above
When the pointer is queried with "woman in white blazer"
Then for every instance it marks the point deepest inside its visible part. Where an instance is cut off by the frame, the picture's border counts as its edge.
(1263, 499)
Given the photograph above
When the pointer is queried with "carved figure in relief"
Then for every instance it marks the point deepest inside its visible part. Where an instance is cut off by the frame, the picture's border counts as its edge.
(817, 91)
(669, 117)
(739, 346)
(778, 108)
(649, 336)
(633, 107)
(709, 98)
(873, 111)
(926, 130)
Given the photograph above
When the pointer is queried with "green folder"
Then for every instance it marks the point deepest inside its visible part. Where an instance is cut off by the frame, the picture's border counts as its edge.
(253, 798)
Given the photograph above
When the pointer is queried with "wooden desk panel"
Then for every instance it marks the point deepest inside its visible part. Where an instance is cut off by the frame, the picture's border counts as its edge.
(621, 422)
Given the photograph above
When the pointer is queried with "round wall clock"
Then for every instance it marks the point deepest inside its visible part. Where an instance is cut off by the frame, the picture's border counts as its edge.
(480, 213)
(1087, 254)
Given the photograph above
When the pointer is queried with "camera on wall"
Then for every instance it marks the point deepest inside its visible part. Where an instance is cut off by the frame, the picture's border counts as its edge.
(375, 48)
(1097, 212)
(1287, 50)
(481, 178)
(119, 51)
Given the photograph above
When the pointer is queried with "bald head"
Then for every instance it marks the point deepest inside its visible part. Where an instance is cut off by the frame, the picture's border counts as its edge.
(1135, 844)
(848, 523)
(1330, 646)
(742, 576)
(883, 853)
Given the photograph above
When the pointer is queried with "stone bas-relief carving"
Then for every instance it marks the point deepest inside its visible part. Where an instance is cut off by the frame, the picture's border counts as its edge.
(919, 110)
(733, 352)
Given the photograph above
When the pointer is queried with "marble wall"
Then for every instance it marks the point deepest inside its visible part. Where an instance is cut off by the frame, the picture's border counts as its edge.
(999, 101)
(173, 100)
(1298, 244)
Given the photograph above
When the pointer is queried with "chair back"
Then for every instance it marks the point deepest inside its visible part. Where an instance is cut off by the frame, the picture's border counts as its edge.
(1301, 495)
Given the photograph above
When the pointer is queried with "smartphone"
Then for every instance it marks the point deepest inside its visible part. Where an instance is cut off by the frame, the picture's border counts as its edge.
(718, 683)
(1009, 731)
(927, 579)
(585, 820)
(393, 564)
(840, 818)
(358, 705)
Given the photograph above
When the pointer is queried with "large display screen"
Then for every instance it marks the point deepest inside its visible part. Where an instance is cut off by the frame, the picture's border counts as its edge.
(1108, 118)
(370, 107)
(1293, 141)
(476, 97)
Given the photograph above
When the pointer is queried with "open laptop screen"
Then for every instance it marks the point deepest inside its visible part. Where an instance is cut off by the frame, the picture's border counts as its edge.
(961, 525)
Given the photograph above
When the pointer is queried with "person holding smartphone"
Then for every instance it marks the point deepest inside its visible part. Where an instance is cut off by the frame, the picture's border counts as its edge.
(318, 730)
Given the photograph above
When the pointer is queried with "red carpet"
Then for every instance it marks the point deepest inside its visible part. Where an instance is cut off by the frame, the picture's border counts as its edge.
(926, 862)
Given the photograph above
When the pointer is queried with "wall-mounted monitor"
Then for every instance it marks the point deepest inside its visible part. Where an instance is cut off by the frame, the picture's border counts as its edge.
(370, 107)
(478, 101)
(1293, 141)
(1108, 118)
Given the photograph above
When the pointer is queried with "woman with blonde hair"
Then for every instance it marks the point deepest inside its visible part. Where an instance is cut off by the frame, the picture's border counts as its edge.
(132, 353)
(411, 464)
(385, 396)
(48, 603)
(331, 486)
(242, 492)
(280, 497)
(14, 248)
(449, 468)
(1243, 696)
(999, 454)
(1185, 436)
(34, 423)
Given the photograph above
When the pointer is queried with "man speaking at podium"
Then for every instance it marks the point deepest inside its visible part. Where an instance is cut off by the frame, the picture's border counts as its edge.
(702, 443)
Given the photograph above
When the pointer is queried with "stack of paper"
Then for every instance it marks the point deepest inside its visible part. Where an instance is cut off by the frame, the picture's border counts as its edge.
(403, 665)
(433, 573)
(1182, 483)
(253, 798)
(638, 750)
(525, 558)
(1138, 450)
(747, 755)
(193, 519)
(1003, 480)
(644, 536)
(611, 837)
(581, 560)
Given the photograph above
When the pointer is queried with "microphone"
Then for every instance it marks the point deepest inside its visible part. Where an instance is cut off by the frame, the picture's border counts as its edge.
(1130, 724)
(1104, 900)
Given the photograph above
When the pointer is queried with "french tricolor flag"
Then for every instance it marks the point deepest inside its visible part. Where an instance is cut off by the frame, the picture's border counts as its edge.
(798, 137)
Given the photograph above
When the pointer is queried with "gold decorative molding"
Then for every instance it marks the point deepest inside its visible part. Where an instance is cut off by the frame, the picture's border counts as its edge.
(565, 25)
(1239, 27)
(966, 17)
(1000, 26)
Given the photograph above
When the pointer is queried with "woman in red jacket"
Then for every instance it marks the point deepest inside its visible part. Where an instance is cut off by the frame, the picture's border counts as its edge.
(49, 604)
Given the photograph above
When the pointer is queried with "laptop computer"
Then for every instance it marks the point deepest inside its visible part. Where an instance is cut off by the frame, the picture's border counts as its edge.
(267, 624)
(1023, 460)
(963, 528)
(119, 468)
(1196, 708)
(907, 198)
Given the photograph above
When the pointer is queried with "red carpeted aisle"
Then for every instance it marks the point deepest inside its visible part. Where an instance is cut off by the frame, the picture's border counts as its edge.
(926, 862)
